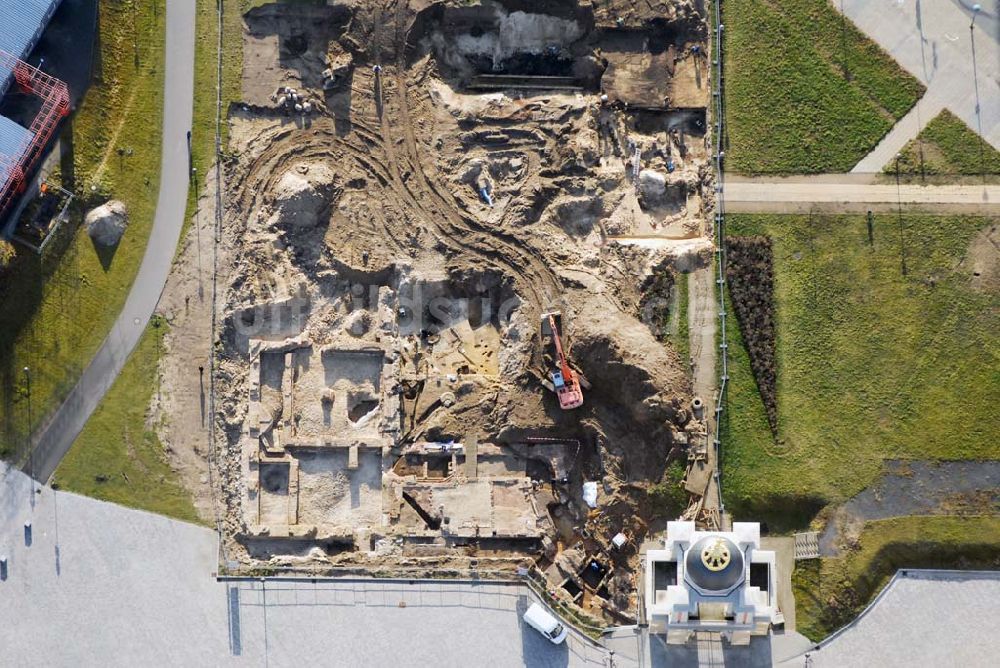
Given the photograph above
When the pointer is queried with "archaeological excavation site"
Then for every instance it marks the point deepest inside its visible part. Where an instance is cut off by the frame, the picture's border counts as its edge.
(450, 240)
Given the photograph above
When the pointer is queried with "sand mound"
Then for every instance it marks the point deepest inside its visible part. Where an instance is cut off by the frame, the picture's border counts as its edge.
(984, 259)
(658, 190)
(635, 370)
(302, 195)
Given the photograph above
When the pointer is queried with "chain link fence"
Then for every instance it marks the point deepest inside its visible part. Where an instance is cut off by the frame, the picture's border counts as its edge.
(720, 236)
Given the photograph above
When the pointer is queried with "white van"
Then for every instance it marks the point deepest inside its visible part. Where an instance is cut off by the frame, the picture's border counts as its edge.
(540, 619)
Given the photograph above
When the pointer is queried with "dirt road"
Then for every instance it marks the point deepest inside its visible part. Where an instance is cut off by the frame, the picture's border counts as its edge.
(702, 314)
(182, 410)
(702, 317)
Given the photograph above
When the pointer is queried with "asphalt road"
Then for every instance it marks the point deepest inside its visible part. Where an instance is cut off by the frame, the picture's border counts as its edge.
(52, 441)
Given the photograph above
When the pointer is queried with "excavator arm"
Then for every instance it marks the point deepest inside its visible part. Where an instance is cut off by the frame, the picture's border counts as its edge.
(568, 390)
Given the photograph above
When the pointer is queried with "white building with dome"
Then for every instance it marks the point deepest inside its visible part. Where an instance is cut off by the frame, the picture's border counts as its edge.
(718, 581)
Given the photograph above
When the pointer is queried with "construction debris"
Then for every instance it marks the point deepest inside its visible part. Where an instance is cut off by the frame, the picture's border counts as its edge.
(387, 265)
(289, 99)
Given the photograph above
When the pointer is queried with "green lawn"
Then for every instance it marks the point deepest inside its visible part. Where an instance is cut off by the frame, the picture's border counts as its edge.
(806, 91)
(871, 364)
(668, 497)
(831, 592)
(947, 146)
(207, 80)
(55, 310)
(118, 457)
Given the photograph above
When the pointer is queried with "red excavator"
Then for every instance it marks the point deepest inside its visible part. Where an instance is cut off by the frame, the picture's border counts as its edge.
(564, 380)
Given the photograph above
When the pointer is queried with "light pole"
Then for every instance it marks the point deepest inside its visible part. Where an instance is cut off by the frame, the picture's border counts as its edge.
(899, 211)
(27, 437)
(976, 8)
(975, 78)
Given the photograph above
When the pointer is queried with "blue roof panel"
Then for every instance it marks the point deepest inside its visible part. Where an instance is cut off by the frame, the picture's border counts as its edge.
(13, 141)
(22, 23)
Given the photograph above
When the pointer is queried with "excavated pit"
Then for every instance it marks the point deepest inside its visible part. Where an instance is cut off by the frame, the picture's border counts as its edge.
(497, 44)
(384, 377)
(563, 46)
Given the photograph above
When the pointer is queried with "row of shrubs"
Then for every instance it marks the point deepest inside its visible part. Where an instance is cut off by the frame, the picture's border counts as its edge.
(750, 276)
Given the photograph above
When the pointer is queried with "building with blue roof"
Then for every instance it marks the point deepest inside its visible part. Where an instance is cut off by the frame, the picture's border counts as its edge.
(22, 23)
(14, 141)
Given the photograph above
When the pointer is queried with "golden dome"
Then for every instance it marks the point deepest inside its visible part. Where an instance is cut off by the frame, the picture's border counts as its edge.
(715, 555)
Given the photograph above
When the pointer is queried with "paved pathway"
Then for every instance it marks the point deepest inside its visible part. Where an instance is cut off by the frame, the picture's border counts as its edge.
(903, 132)
(908, 488)
(100, 584)
(931, 40)
(841, 193)
(54, 439)
(922, 618)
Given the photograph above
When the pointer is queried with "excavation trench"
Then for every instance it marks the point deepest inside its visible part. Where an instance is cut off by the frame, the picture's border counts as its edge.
(386, 383)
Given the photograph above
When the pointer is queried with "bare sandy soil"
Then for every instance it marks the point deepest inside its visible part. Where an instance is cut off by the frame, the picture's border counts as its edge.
(181, 409)
(409, 188)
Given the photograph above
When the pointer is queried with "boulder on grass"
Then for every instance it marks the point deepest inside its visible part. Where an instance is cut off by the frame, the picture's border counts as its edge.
(106, 224)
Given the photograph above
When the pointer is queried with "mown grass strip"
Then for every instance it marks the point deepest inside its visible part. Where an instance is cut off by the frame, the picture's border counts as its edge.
(682, 338)
(207, 83)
